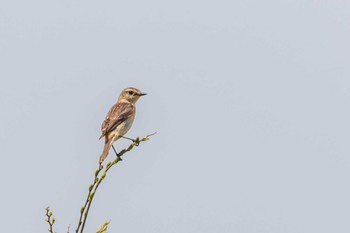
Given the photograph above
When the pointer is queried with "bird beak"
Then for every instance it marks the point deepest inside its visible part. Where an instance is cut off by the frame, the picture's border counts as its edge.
(141, 94)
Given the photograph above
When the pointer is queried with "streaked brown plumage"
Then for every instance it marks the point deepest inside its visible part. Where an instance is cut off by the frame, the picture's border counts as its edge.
(119, 119)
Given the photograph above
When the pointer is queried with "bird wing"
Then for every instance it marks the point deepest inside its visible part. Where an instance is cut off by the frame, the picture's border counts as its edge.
(116, 115)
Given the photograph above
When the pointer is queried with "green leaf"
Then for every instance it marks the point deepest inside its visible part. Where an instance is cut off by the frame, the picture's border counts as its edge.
(122, 152)
(96, 172)
(130, 147)
(103, 228)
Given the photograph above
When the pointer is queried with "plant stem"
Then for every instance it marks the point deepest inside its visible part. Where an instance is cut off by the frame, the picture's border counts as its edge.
(84, 212)
(49, 220)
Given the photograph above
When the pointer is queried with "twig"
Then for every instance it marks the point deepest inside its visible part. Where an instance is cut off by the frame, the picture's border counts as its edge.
(49, 220)
(84, 211)
(103, 228)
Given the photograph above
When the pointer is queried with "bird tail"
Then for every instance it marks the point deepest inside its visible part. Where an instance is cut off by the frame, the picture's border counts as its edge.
(106, 149)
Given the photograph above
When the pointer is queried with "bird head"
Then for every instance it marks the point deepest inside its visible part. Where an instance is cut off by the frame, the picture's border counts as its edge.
(130, 94)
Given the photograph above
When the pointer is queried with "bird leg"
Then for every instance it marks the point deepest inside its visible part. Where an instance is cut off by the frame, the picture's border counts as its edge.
(117, 153)
(133, 140)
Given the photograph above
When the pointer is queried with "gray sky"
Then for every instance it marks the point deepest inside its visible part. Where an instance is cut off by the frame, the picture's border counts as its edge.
(250, 100)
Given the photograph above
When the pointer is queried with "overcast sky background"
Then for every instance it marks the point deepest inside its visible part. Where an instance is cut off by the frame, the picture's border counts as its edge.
(250, 100)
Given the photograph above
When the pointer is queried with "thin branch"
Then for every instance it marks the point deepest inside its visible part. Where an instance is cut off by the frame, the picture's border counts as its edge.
(50, 220)
(103, 228)
(84, 211)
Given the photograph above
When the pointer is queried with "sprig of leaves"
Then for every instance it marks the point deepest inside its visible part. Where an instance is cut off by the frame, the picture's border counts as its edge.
(50, 219)
(103, 228)
(84, 211)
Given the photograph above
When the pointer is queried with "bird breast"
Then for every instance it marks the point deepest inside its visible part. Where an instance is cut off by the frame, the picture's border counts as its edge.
(124, 127)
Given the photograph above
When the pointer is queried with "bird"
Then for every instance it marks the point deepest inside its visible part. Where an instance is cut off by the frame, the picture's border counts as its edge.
(119, 119)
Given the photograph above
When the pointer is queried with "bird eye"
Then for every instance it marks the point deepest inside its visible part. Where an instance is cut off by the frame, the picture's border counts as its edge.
(131, 92)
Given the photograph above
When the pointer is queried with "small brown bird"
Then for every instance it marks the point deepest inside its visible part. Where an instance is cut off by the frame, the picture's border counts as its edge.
(119, 119)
